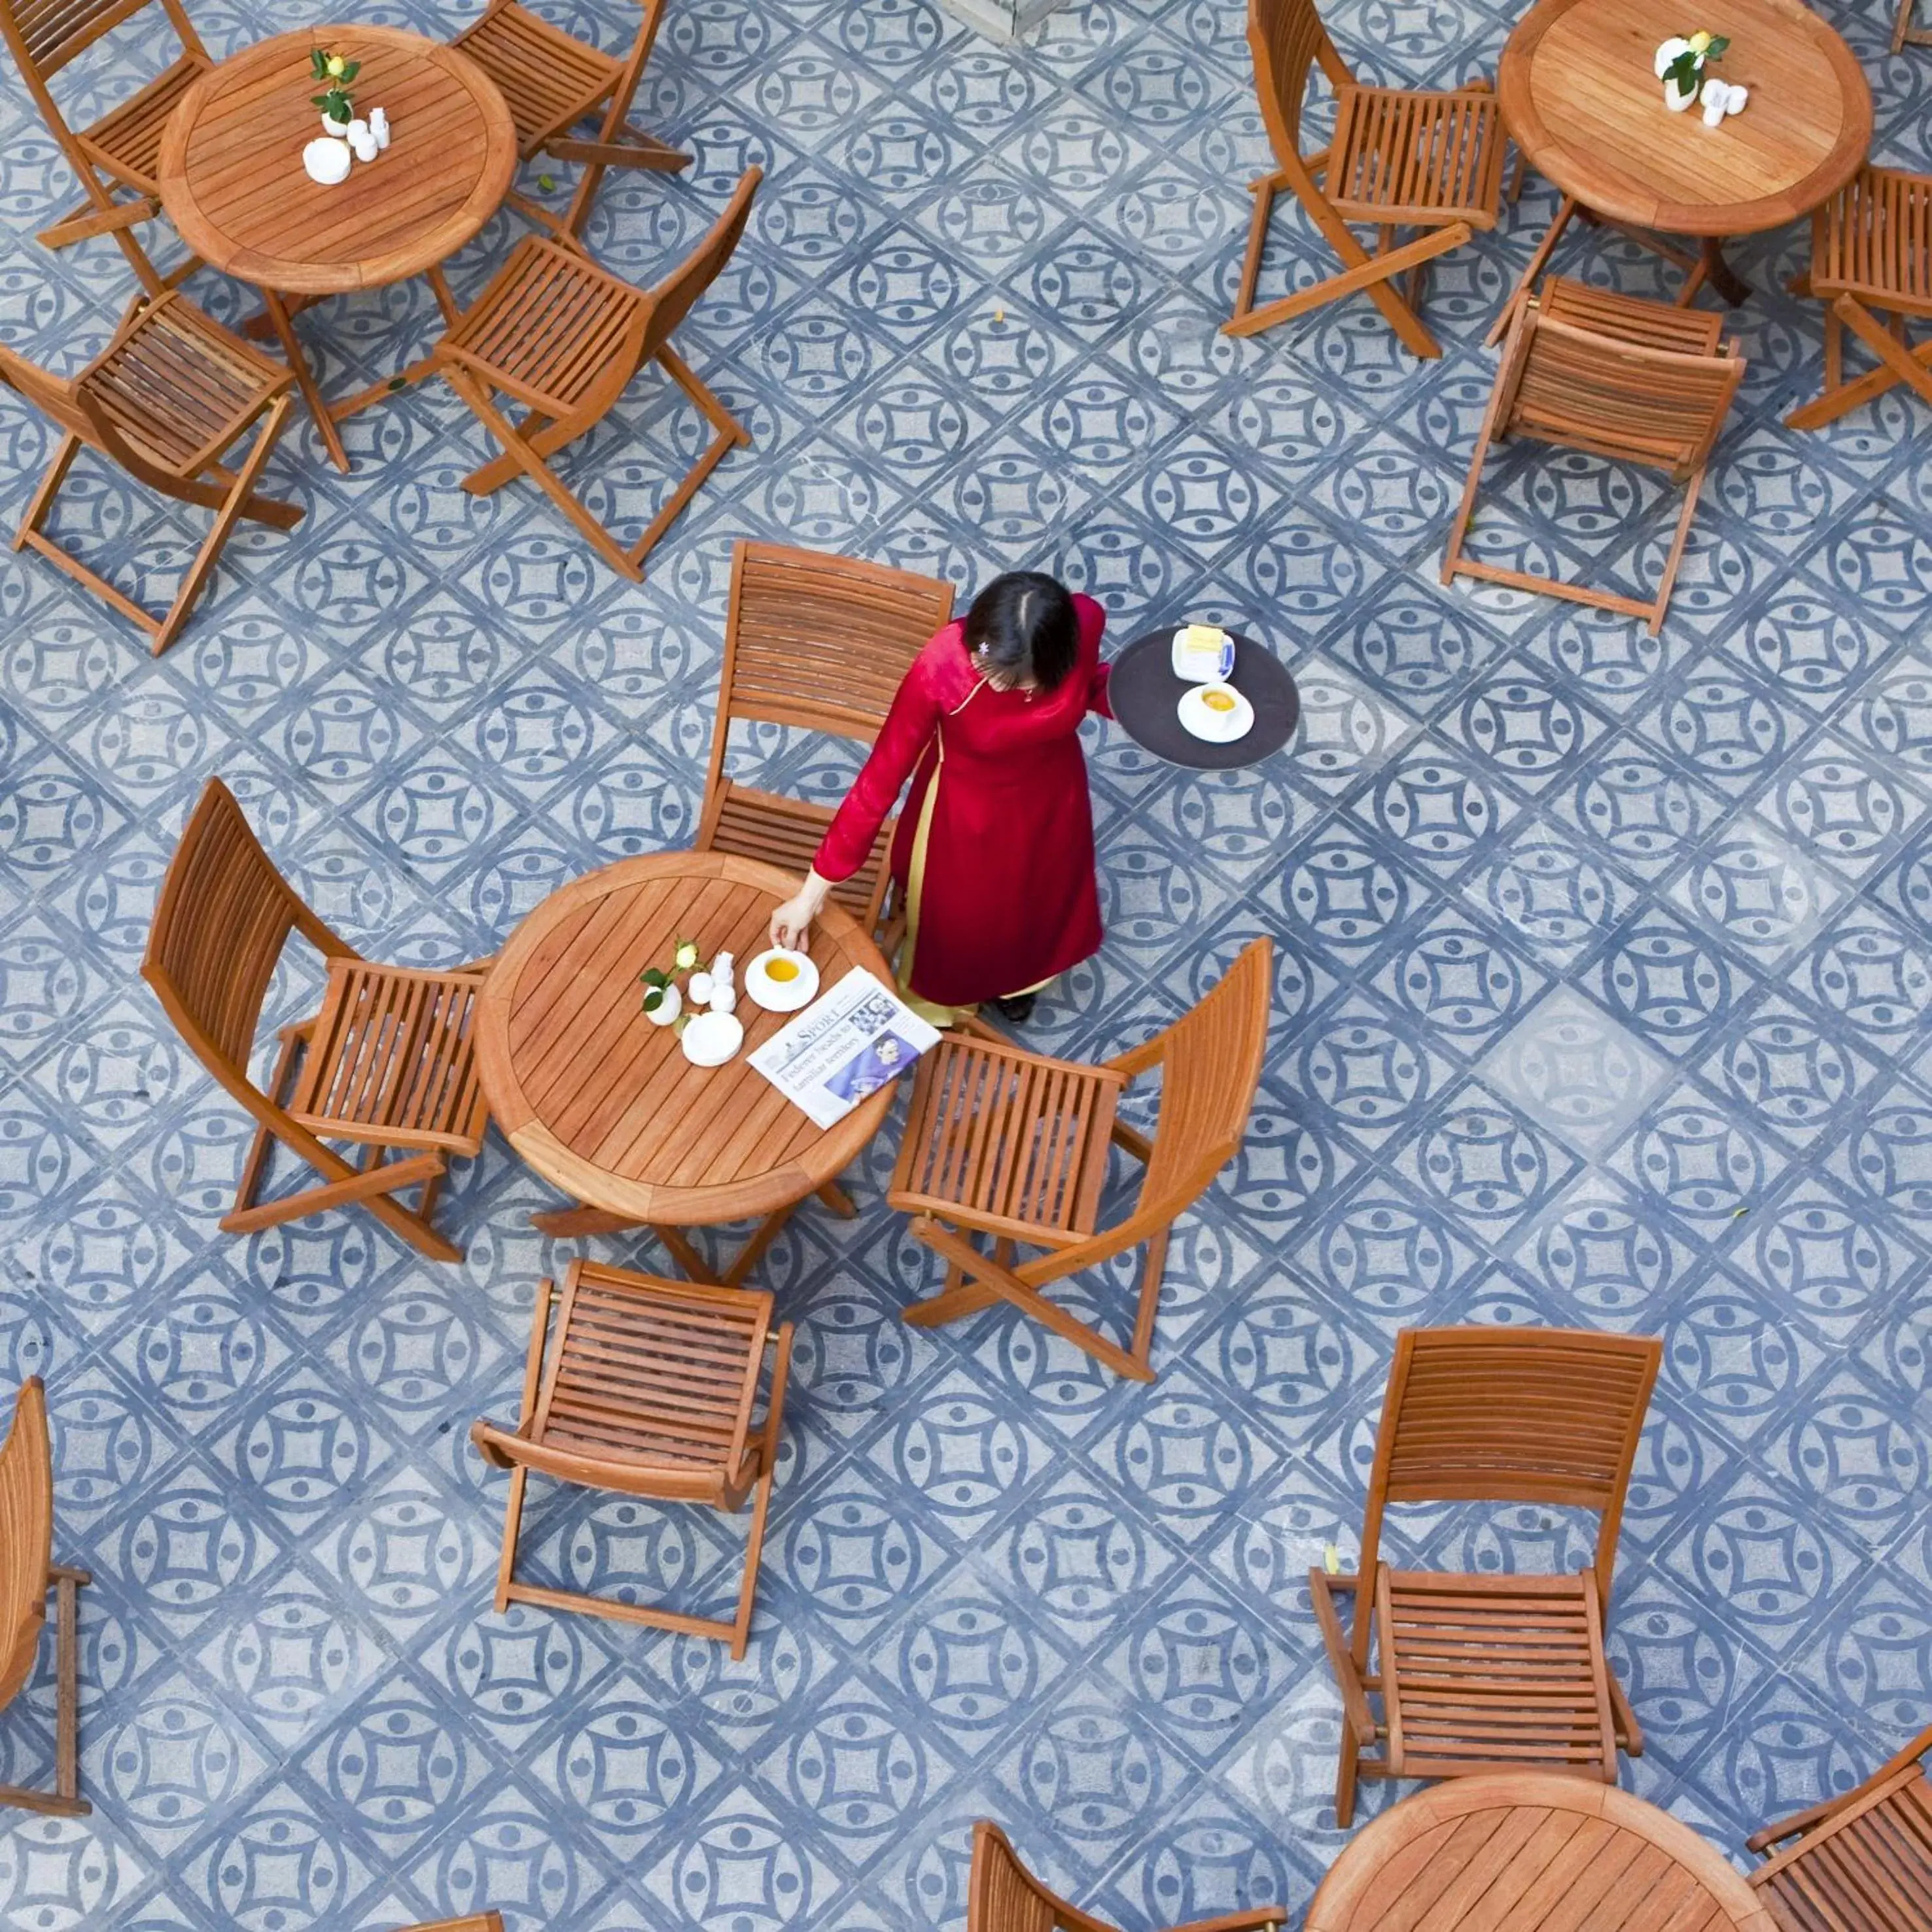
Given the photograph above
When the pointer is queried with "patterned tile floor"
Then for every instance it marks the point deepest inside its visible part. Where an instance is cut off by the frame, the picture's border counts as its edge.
(1603, 1000)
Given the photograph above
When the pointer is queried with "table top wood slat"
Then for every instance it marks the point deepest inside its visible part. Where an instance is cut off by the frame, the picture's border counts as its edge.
(602, 1101)
(1581, 99)
(231, 173)
(1531, 1852)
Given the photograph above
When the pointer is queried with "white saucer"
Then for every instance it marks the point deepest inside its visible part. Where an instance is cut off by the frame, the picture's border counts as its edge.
(711, 1038)
(781, 996)
(1199, 719)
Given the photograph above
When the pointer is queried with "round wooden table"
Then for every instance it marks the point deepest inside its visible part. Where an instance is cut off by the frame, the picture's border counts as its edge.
(1582, 100)
(603, 1102)
(1516, 1851)
(232, 182)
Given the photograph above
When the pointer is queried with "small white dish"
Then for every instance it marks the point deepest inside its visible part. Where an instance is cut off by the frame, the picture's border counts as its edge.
(1202, 653)
(1217, 713)
(327, 160)
(778, 994)
(711, 1038)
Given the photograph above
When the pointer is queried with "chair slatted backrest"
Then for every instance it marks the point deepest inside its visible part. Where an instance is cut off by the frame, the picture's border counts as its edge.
(1286, 38)
(1875, 238)
(652, 1397)
(822, 642)
(1002, 1896)
(1868, 1868)
(1615, 394)
(26, 1536)
(174, 387)
(46, 34)
(1210, 1062)
(1524, 1415)
(674, 298)
(223, 917)
(61, 402)
(477, 1922)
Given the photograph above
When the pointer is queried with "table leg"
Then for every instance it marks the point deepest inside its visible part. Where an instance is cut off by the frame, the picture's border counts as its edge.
(570, 1223)
(424, 366)
(1721, 274)
(1566, 211)
(577, 1223)
(304, 381)
(261, 328)
(439, 286)
(748, 1255)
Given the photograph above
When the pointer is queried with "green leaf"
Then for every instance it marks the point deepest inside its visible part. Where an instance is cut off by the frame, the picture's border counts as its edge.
(547, 183)
(655, 976)
(350, 69)
(1719, 42)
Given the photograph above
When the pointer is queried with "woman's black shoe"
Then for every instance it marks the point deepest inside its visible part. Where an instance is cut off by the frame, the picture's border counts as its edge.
(1017, 1008)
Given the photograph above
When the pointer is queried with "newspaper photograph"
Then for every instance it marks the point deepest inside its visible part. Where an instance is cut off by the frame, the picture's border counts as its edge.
(847, 1044)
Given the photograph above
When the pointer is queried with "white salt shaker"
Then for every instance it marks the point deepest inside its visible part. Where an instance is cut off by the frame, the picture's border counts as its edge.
(379, 126)
(1735, 98)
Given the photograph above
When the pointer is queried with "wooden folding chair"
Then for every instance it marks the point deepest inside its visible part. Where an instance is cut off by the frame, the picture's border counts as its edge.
(388, 1063)
(551, 81)
(165, 401)
(1398, 158)
(1904, 31)
(1002, 1896)
(27, 1572)
(1488, 1673)
(1859, 1862)
(556, 332)
(122, 151)
(1616, 376)
(821, 643)
(1005, 1144)
(1871, 248)
(648, 1392)
(478, 1921)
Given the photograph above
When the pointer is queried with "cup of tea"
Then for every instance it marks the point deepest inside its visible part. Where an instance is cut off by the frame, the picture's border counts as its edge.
(782, 971)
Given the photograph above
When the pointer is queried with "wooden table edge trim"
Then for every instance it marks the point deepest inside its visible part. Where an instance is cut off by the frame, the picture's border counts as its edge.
(593, 1186)
(299, 278)
(1362, 1860)
(1847, 156)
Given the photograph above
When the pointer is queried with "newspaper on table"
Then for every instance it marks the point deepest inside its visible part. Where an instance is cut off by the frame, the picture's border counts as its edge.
(847, 1044)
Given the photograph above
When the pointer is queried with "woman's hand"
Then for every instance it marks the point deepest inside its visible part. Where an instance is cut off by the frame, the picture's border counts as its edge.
(791, 923)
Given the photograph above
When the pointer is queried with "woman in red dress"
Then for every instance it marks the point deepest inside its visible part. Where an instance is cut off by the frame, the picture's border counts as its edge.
(994, 855)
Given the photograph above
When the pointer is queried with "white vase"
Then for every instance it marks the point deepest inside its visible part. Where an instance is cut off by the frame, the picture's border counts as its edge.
(330, 125)
(1677, 102)
(667, 1008)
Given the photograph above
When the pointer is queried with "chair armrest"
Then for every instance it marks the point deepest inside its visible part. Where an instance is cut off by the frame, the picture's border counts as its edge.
(1321, 1587)
(1801, 1822)
(1235, 1921)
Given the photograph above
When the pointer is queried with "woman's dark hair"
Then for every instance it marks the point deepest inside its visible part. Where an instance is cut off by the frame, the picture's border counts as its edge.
(1021, 626)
